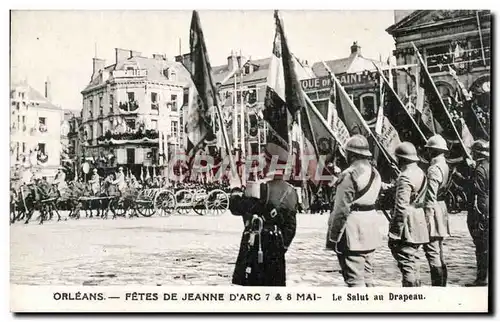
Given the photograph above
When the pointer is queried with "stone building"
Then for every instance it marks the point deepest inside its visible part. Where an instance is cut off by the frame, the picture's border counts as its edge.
(457, 38)
(35, 137)
(132, 111)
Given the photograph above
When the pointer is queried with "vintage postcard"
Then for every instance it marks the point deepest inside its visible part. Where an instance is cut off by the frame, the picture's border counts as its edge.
(250, 161)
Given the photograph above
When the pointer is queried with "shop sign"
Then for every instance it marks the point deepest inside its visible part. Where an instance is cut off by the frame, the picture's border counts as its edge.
(364, 78)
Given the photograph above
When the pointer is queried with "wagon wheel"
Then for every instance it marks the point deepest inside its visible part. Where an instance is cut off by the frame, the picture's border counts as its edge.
(217, 202)
(184, 198)
(164, 203)
(144, 209)
(117, 207)
(199, 205)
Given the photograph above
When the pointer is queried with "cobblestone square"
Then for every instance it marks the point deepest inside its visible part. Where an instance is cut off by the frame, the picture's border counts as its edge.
(194, 250)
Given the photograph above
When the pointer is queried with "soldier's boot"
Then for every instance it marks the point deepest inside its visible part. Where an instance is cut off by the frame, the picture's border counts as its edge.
(482, 272)
(415, 283)
(444, 276)
(436, 276)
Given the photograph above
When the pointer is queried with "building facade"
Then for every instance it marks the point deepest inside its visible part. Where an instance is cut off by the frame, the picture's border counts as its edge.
(132, 110)
(35, 129)
(457, 38)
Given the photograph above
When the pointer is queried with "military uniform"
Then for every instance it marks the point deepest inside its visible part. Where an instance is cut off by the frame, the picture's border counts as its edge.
(60, 181)
(353, 221)
(436, 212)
(270, 225)
(478, 213)
(95, 184)
(120, 181)
(408, 227)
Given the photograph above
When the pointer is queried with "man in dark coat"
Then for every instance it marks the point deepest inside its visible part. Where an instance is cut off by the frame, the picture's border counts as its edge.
(269, 213)
(479, 209)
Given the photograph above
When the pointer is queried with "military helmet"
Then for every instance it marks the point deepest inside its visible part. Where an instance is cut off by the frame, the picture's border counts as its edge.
(437, 142)
(406, 150)
(358, 144)
(481, 147)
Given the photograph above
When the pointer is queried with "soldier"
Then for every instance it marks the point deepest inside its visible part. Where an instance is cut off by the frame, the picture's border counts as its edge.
(479, 209)
(268, 211)
(408, 228)
(95, 182)
(353, 221)
(436, 213)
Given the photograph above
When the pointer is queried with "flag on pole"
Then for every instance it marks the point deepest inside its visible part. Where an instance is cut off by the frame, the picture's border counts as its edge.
(275, 111)
(398, 124)
(439, 110)
(203, 95)
(475, 126)
(142, 174)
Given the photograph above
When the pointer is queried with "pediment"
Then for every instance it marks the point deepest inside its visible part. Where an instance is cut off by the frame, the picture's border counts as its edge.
(424, 18)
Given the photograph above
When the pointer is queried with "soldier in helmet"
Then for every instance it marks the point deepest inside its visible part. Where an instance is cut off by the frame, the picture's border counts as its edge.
(353, 221)
(436, 213)
(408, 228)
(268, 211)
(479, 209)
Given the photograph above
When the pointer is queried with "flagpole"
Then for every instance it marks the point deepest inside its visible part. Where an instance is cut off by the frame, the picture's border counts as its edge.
(365, 125)
(480, 37)
(323, 121)
(242, 130)
(441, 101)
(400, 102)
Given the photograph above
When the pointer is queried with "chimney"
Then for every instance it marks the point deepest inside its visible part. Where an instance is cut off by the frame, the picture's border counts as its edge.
(159, 56)
(122, 55)
(232, 61)
(134, 53)
(355, 48)
(47, 89)
(97, 65)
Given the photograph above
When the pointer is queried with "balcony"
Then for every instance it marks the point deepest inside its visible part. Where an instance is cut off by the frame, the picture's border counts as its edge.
(139, 136)
(465, 61)
(132, 73)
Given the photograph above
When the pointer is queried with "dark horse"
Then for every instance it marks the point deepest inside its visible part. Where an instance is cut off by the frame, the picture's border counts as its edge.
(28, 198)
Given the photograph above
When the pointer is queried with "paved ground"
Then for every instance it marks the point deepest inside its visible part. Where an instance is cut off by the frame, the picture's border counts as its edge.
(191, 249)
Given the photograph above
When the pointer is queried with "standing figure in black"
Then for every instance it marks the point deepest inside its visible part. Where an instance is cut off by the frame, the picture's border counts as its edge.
(268, 211)
(479, 209)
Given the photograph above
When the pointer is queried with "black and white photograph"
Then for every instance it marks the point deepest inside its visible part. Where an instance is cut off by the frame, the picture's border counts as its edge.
(265, 160)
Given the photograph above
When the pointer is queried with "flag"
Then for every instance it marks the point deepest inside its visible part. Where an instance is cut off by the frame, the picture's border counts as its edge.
(203, 95)
(475, 126)
(142, 174)
(443, 121)
(342, 134)
(275, 111)
(398, 124)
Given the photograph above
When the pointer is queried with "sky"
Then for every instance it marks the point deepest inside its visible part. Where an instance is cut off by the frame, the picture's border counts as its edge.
(60, 45)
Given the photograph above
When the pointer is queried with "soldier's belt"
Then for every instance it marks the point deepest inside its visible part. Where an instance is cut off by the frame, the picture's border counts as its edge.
(362, 207)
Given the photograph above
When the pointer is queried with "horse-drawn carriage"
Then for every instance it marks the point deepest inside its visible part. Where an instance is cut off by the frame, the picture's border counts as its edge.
(208, 200)
(25, 199)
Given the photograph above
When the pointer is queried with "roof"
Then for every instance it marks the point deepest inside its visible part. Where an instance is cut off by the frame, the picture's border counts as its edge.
(221, 72)
(355, 63)
(153, 66)
(34, 95)
(425, 18)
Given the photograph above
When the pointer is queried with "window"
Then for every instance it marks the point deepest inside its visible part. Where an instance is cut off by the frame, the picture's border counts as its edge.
(111, 103)
(91, 132)
(131, 156)
(101, 108)
(367, 107)
(154, 101)
(24, 147)
(24, 124)
(247, 69)
(154, 124)
(131, 96)
(173, 99)
(42, 120)
(41, 147)
(91, 107)
(172, 75)
(165, 73)
(101, 129)
(130, 123)
(186, 97)
(130, 68)
(173, 128)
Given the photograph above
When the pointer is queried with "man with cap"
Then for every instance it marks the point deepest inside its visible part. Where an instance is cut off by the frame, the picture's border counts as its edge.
(408, 227)
(479, 209)
(352, 227)
(120, 180)
(95, 182)
(436, 213)
(268, 211)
